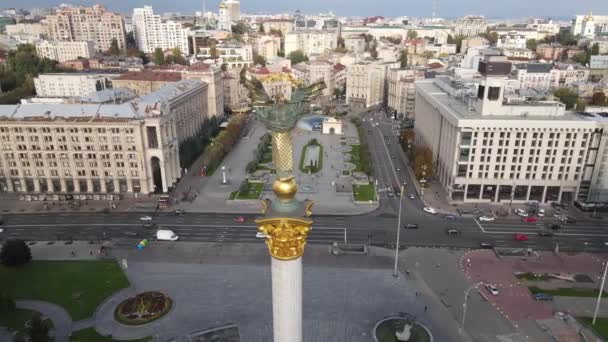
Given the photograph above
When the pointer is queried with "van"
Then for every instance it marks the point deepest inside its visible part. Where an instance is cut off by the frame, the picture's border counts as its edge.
(166, 235)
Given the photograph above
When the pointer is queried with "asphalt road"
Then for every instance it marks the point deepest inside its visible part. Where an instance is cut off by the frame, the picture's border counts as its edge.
(378, 228)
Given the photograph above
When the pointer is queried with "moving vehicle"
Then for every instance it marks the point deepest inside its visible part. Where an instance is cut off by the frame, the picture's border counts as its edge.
(411, 226)
(260, 235)
(131, 233)
(486, 245)
(145, 218)
(239, 219)
(487, 218)
(542, 296)
(450, 217)
(179, 212)
(412, 196)
(492, 289)
(547, 233)
(166, 235)
(553, 226)
(520, 237)
(452, 232)
(568, 219)
(541, 212)
(530, 219)
(521, 212)
(430, 210)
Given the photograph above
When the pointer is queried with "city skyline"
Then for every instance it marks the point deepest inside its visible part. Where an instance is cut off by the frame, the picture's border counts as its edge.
(557, 9)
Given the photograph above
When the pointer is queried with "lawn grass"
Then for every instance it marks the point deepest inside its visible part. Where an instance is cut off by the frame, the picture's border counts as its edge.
(532, 277)
(364, 192)
(77, 286)
(90, 335)
(253, 192)
(600, 327)
(568, 292)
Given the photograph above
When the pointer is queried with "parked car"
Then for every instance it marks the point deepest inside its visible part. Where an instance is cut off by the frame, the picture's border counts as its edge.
(239, 219)
(542, 296)
(260, 235)
(547, 233)
(521, 212)
(486, 245)
(520, 237)
(530, 219)
(430, 210)
(145, 218)
(487, 218)
(492, 289)
(568, 219)
(131, 233)
(179, 212)
(411, 226)
(541, 212)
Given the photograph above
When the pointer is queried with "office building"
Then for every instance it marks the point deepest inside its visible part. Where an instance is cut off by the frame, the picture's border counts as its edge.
(152, 32)
(62, 51)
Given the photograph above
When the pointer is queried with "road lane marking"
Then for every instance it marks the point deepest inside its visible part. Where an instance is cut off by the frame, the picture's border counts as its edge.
(479, 225)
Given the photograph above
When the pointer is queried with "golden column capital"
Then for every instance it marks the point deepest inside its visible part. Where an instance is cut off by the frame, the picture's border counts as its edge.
(285, 237)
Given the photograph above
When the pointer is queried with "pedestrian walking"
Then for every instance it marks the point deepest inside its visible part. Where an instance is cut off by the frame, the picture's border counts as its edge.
(416, 293)
(425, 308)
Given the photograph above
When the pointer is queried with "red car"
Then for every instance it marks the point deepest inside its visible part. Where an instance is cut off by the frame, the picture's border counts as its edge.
(520, 237)
(530, 219)
(239, 219)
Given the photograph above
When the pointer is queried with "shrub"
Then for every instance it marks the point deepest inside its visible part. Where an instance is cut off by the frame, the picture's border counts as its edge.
(15, 253)
(7, 304)
(251, 166)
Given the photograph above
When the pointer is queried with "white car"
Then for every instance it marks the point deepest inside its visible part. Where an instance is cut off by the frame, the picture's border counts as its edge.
(260, 235)
(521, 212)
(487, 218)
(541, 212)
(492, 289)
(412, 196)
(430, 210)
(145, 218)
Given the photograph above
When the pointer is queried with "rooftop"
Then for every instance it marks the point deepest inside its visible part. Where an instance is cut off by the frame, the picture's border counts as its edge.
(152, 76)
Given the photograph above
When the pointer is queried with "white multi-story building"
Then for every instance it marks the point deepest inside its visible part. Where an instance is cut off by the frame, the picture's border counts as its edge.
(62, 51)
(267, 46)
(589, 25)
(354, 43)
(311, 42)
(365, 83)
(488, 148)
(99, 149)
(598, 62)
(401, 91)
(152, 32)
(565, 75)
(212, 75)
(511, 40)
(545, 27)
(534, 76)
(322, 70)
(34, 30)
(602, 45)
(234, 55)
(87, 24)
(71, 84)
(470, 25)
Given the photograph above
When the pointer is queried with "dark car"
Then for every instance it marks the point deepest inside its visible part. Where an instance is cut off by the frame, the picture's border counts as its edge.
(568, 219)
(557, 205)
(411, 226)
(553, 226)
(542, 296)
(179, 212)
(486, 245)
(545, 233)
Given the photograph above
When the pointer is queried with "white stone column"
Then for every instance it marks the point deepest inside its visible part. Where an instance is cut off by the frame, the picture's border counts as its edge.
(287, 300)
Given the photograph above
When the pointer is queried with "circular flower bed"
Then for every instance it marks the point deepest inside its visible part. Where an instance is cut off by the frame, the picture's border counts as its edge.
(143, 308)
(387, 329)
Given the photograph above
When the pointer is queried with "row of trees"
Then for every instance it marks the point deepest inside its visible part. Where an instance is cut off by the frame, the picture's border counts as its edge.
(191, 148)
(224, 142)
(421, 157)
(159, 57)
(262, 149)
(364, 154)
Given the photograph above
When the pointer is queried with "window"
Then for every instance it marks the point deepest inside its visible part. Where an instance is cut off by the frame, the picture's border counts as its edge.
(494, 93)
(480, 91)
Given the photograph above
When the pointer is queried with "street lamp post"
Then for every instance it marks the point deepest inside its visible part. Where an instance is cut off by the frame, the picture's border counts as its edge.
(464, 306)
(599, 296)
(395, 274)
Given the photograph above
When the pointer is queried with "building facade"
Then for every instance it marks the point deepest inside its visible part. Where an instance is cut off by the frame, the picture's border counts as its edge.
(488, 148)
(62, 51)
(212, 76)
(87, 24)
(152, 32)
(311, 42)
(99, 149)
(365, 83)
(470, 25)
(71, 85)
(401, 91)
(147, 81)
(589, 25)
(267, 46)
(235, 55)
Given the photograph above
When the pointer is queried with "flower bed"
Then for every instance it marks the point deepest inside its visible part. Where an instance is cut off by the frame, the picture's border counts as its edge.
(143, 308)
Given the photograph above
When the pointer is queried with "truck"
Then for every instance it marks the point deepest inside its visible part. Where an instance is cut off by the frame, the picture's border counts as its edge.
(166, 235)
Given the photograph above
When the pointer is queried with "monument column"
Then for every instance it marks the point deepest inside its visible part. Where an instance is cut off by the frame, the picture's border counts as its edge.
(287, 299)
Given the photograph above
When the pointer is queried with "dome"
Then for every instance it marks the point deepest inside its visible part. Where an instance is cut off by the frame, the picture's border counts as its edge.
(222, 5)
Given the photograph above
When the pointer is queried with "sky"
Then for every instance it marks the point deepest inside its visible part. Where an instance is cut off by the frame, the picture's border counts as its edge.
(412, 8)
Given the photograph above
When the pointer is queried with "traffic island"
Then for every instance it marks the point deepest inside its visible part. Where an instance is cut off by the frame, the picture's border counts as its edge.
(144, 308)
(401, 329)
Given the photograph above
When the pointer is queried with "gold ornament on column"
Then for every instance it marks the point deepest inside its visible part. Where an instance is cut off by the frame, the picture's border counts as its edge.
(285, 237)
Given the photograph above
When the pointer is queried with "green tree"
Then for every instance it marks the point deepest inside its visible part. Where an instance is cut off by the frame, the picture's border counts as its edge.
(176, 56)
(15, 253)
(599, 99)
(259, 60)
(411, 34)
(114, 49)
(580, 105)
(130, 39)
(7, 304)
(158, 57)
(403, 59)
(581, 58)
(531, 44)
(240, 28)
(492, 37)
(595, 49)
(297, 56)
(456, 40)
(567, 96)
(38, 329)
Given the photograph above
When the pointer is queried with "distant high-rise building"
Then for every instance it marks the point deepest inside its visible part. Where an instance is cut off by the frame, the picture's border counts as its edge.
(152, 32)
(87, 24)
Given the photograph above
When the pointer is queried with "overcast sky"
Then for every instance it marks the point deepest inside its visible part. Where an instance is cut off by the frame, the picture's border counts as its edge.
(446, 8)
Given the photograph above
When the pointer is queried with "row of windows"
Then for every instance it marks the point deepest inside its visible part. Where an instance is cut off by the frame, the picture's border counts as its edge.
(114, 130)
(67, 164)
(68, 173)
(66, 148)
(64, 156)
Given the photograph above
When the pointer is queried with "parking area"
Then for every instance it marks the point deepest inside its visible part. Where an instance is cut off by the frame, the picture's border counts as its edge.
(514, 299)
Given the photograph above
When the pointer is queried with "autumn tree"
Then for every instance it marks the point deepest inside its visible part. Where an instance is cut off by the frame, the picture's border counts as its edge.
(158, 57)
(403, 59)
(599, 99)
(423, 162)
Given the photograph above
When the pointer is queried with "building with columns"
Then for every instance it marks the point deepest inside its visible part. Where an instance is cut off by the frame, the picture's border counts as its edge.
(99, 149)
(470, 26)
(488, 148)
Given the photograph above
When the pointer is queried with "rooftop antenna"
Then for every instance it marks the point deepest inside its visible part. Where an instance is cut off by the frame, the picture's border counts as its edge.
(434, 13)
